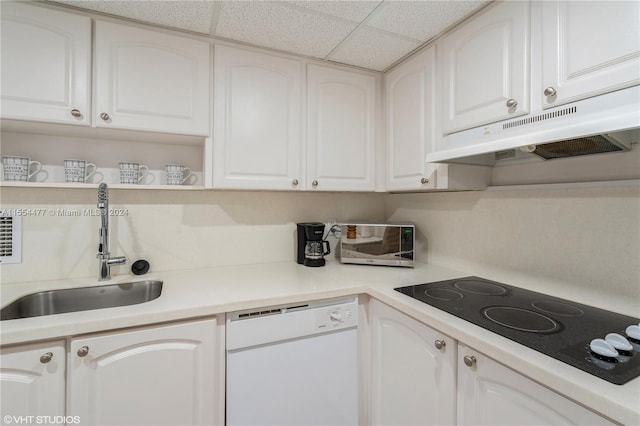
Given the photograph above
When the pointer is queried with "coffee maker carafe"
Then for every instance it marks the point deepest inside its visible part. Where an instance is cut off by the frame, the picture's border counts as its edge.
(311, 246)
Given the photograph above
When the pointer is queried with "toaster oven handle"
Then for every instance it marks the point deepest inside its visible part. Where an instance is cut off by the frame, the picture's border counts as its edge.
(328, 246)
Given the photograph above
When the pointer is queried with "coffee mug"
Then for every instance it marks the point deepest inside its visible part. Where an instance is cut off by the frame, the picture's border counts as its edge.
(17, 168)
(76, 170)
(176, 174)
(132, 173)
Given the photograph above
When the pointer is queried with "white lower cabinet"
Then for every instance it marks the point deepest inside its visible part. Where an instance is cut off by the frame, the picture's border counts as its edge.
(32, 381)
(153, 376)
(413, 381)
(421, 377)
(492, 394)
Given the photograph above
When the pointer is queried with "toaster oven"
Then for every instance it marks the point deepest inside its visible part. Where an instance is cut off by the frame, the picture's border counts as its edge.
(374, 243)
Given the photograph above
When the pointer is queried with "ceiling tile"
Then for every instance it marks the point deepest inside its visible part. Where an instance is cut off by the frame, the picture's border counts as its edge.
(355, 11)
(277, 26)
(194, 15)
(421, 20)
(372, 49)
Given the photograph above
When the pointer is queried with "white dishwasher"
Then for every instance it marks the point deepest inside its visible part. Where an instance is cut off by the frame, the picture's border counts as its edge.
(293, 364)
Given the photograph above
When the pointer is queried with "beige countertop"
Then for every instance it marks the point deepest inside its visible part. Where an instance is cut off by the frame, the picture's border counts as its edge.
(205, 292)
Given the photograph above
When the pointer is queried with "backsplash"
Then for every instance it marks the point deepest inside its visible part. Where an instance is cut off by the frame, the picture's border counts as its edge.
(575, 243)
(173, 230)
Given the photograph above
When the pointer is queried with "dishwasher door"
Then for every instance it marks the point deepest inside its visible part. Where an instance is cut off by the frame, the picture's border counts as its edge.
(293, 365)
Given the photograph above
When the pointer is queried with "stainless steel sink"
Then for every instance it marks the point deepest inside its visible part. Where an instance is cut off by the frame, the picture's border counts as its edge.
(82, 299)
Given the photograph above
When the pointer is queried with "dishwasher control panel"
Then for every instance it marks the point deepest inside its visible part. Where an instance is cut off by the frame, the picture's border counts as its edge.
(268, 325)
(337, 316)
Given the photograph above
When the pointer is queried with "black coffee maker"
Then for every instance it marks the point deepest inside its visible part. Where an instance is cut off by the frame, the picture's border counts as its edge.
(311, 246)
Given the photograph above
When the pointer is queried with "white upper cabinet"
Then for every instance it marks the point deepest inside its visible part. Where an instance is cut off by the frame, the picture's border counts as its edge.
(46, 56)
(485, 67)
(32, 380)
(491, 394)
(341, 112)
(412, 371)
(411, 120)
(410, 112)
(589, 48)
(258, 120)
(149, 80)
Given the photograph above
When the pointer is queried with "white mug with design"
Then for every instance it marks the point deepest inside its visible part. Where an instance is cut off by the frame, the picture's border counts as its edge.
(176, 174)
(17, 168)
(132, 173)
(76, 170)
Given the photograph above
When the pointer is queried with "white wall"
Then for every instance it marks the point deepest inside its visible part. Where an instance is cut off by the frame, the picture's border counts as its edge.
(171, 229)
(577, 243)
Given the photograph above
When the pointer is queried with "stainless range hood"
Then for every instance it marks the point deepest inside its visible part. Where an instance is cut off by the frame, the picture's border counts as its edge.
(605, 123)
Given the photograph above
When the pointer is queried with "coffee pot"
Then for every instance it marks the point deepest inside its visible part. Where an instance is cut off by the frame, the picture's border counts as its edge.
(311, 247)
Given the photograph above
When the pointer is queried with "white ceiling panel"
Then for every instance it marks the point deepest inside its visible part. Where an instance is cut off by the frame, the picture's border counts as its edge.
(355, 11)
(193, 15)
(372, 34)
(373, 49)
(421, 20)
(277, 26)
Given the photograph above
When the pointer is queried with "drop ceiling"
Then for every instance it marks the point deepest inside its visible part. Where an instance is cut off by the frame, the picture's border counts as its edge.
(368, 34)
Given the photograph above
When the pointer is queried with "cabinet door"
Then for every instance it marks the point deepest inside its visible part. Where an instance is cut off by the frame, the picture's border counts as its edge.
(485, 67)
(589, 48)
(412, 381)
(32, 380)
(492, 394)
(341, 108)
(148, 80)
(410, 99)
(164, 375)
(45, 64)
(258, 116)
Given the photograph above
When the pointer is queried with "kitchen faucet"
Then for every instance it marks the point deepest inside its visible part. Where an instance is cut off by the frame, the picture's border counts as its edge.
(104, 257)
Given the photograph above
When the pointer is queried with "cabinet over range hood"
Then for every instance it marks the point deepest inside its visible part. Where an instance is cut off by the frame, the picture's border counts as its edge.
(605, 123)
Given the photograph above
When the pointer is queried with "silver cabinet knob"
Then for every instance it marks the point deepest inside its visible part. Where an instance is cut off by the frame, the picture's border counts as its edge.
(469, 360)
(424, 181)
(314, 183)
(440, 344)
(295, 182)
(76, 113)
(550, 91)
(83, 351)
(46, 358)
(512, 103)
(104, 116)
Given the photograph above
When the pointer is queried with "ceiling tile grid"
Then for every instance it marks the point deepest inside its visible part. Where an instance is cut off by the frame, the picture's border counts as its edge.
(373, 34)
(373, 49)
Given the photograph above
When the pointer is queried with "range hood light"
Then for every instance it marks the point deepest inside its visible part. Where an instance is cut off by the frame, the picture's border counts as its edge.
(528, 148)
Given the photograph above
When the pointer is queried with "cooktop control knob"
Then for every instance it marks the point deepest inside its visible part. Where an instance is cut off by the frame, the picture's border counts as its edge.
(633, 331)
(619, 342)
(602, 348)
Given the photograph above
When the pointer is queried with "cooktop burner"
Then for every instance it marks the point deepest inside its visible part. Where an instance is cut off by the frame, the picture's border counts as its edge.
(600, 342)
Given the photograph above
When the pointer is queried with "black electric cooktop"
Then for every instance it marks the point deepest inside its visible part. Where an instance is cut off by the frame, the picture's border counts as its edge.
(556, 327)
